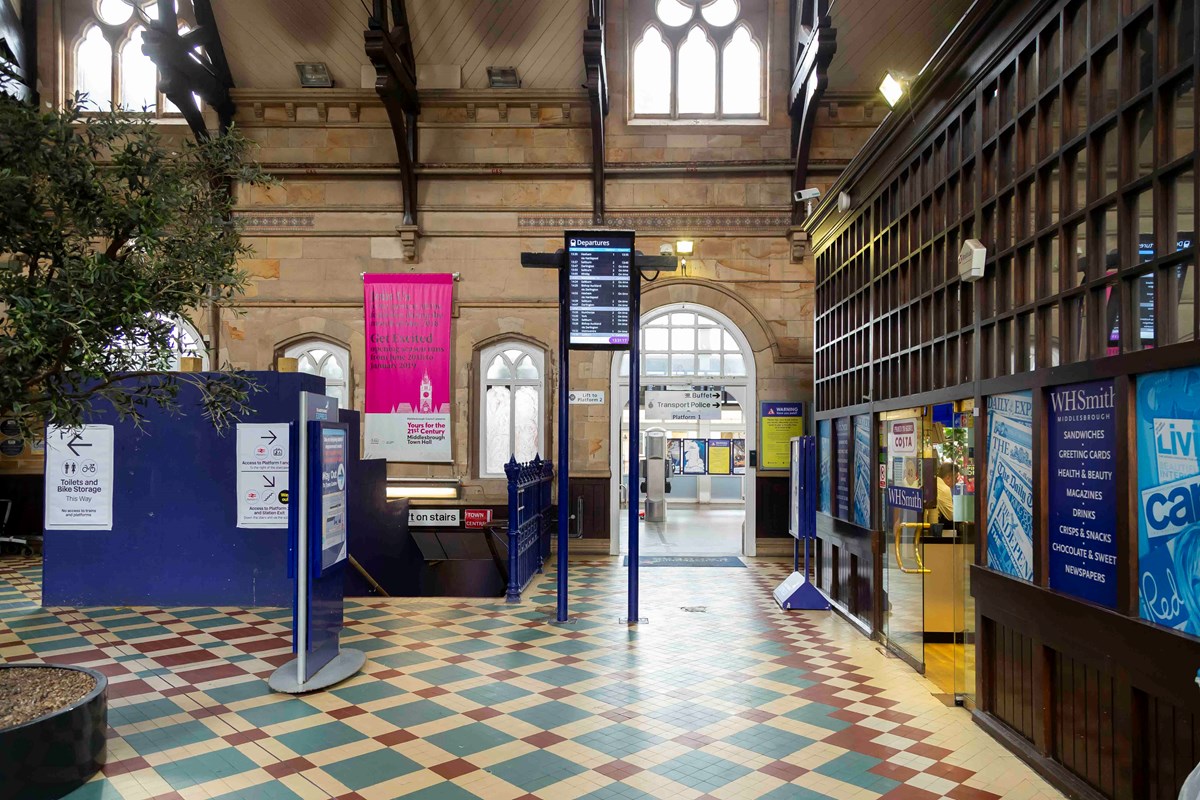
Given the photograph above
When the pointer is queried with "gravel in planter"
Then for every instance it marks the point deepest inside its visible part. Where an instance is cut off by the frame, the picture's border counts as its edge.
(32, 692)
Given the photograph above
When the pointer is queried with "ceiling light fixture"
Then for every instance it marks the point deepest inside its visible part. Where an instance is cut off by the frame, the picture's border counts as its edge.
(314, 75)
(893, 88)
(503, 78)
(424, 489)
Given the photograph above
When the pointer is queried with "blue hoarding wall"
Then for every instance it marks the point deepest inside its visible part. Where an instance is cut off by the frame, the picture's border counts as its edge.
(824, 465)
(1168, 432)
(862, 470)
(175, 540)
(1082, 433)
(1010, 484)
(841, 434)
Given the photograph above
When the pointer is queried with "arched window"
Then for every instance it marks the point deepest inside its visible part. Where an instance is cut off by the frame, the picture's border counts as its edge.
(139, 78)
(698, 59)
(109, 65)
(512, 405)
(93, 69)
(132, 350)
(328, 360)
(687, 344)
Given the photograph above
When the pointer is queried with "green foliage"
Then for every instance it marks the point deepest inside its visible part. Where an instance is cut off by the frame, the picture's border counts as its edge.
(108, 230)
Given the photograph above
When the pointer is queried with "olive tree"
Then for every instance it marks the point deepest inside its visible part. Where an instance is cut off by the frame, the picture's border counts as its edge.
(110, 230)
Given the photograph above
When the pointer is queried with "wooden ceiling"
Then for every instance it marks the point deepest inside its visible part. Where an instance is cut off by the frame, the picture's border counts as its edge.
(543, 39)
(874, 36)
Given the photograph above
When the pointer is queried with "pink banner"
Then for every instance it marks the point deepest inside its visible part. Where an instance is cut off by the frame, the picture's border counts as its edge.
(408, 366)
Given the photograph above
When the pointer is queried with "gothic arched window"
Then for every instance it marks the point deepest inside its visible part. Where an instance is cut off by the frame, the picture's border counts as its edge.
(698, 59)
(512, 405)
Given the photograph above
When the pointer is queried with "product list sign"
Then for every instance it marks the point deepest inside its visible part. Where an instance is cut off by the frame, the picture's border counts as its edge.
(598, 277)
(79, 478)
(1083, 546)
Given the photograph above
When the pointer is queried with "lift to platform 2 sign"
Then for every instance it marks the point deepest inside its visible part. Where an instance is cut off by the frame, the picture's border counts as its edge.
(1083, 491)
(599, 269)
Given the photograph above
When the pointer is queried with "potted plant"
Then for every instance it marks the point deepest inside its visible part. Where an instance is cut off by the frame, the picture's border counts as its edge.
(52, 728)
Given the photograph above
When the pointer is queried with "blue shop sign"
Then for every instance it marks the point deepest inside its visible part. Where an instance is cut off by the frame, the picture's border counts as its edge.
(1083, 489)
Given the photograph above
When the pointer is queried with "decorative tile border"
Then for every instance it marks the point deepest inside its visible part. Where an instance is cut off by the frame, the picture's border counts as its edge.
(649, 222)
(274, 221)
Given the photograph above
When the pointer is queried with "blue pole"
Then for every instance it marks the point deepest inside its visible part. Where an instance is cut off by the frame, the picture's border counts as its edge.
(512, 471)
(635, 405)
(564, 451)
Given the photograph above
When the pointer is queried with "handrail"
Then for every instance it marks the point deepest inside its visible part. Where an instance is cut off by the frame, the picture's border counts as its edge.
(528, 521)
(921, 569)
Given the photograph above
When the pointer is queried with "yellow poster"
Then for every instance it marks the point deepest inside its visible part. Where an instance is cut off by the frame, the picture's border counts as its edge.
(780, 422)
(720, 456)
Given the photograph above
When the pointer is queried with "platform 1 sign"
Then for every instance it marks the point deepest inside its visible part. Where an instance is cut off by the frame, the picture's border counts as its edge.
(683, 404)
(79, 478)
(262, 475)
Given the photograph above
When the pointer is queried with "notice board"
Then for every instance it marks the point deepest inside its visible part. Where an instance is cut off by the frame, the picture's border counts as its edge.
(780, 422)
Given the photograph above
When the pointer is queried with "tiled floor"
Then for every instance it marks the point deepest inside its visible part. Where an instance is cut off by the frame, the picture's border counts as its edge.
(690, 530)
(475, 699)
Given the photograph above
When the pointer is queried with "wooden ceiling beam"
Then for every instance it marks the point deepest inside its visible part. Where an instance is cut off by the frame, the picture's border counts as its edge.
(814, 42)
(596, 70)
(389, 47)
(191, 64)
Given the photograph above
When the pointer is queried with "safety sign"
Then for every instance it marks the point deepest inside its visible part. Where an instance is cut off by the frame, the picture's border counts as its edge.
(262, 475)
(79, 478)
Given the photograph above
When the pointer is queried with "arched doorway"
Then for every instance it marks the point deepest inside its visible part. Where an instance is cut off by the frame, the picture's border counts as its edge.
(686, 346)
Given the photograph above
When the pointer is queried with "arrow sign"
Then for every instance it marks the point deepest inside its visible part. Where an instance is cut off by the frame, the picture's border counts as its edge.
(268, 482)
(76, 441)
(270, 437)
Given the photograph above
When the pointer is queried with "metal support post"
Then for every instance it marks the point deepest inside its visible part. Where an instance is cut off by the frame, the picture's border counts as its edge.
(564, 450)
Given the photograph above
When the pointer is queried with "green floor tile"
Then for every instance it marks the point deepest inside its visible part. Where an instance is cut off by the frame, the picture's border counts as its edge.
(367, 770)
(469, 739)
(321, 737)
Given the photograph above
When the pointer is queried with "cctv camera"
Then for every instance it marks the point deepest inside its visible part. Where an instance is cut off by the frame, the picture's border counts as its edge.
(666, 250)
(807, 195)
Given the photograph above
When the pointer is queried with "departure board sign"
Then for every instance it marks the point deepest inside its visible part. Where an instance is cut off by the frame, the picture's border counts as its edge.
(599, 278)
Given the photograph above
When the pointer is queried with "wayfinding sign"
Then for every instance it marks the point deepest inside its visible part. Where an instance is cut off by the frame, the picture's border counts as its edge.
(683, 404)
(599, 280)
(262, 475)
(79, 478)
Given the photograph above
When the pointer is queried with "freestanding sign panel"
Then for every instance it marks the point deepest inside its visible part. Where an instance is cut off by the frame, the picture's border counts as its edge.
(599, 283)
(1083, 491)
(330, 501)
(262, 475)
(79, 478)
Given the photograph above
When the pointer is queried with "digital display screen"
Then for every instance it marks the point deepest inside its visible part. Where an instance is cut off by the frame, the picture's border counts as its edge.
(599, 269)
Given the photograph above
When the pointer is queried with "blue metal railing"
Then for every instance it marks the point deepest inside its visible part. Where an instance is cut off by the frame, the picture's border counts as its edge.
(529, 521)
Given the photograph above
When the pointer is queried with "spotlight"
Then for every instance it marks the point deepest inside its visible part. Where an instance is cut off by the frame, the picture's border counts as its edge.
(893, 88)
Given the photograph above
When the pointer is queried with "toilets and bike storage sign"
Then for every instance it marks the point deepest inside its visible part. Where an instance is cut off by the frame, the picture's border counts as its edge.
(79, 478)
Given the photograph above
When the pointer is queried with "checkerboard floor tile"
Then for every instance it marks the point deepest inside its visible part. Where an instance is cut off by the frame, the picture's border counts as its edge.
(478, 700)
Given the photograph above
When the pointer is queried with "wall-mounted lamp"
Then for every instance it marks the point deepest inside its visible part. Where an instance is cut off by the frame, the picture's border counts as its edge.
(314, 75)
(685, 247)
(503, 78)
(893, 88)
(424, 488)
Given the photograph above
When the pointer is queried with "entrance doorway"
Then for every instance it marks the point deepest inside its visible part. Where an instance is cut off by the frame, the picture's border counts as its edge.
(710, 507)
(929, 527)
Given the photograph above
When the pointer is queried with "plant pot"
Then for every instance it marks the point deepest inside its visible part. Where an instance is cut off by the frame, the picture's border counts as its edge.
(49, 756)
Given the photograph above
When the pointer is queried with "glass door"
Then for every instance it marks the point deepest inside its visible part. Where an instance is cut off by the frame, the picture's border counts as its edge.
(902, 445)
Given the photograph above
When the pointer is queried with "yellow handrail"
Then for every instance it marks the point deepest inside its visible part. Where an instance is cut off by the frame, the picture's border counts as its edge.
(920, 526)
